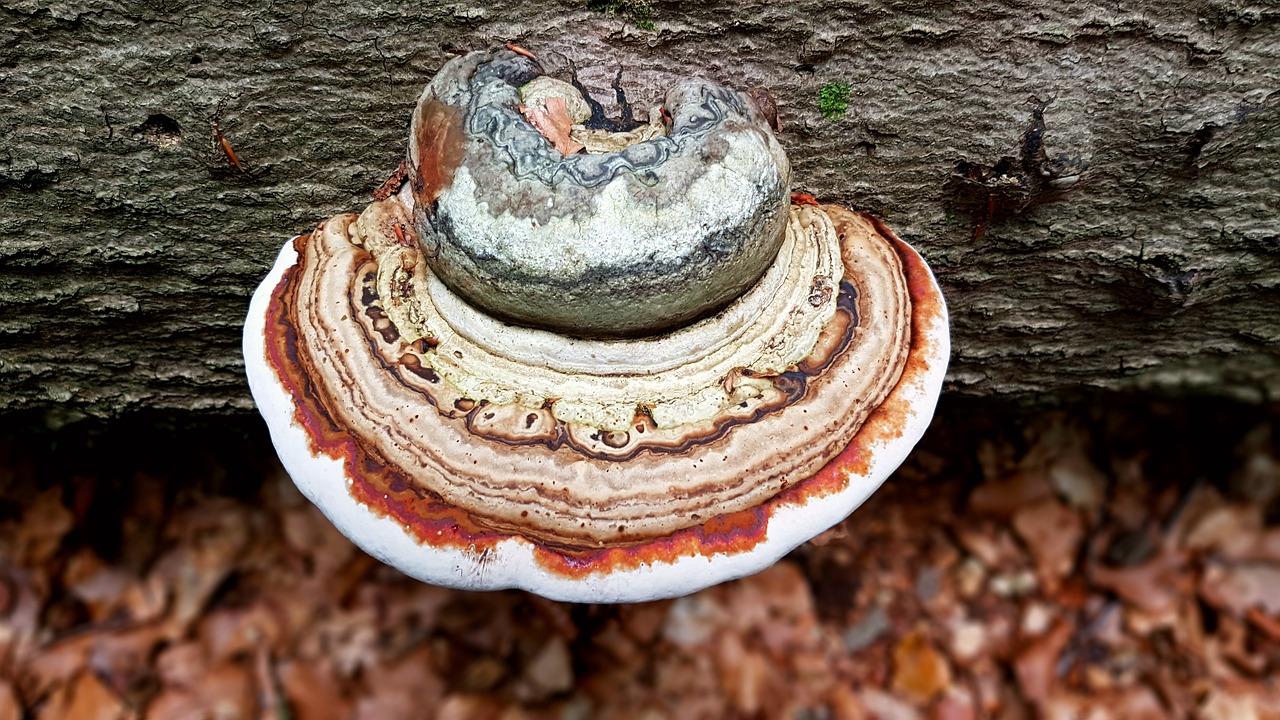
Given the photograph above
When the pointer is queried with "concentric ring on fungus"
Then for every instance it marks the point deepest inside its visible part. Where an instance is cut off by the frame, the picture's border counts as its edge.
(470, 451)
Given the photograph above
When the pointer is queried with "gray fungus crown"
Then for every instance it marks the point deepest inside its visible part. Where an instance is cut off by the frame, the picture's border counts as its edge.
(615, 244)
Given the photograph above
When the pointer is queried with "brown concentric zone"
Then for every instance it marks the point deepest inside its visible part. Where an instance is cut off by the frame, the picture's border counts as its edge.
(435, 520)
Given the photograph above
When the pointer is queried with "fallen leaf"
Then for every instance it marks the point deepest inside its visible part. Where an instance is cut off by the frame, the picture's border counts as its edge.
(956, 704)
(400, 689)
(1154, 587)
(844, 704)
(469, 707)
(182, 665)
(9, 707)
(1228, 529)
(550, 671)
(1240, 587)
(44, 523)
(553, 122)
(1239, 700)
(644, 621)
(1269, 625)
(1052, 533)
(54, 666)
(313, 692)
(1076, 478)
(224, 691)
(919, 670)
(1003, 497)
(693, 619)
(1036, 665)
(883, 706)
(84, 698)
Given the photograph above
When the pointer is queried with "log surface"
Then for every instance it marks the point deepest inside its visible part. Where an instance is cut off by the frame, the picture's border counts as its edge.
(130, 239)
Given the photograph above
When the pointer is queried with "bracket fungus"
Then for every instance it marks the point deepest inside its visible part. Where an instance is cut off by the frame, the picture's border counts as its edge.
(609, 363)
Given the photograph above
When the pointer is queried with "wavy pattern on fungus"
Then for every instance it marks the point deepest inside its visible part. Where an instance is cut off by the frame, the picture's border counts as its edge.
(626, 243)
(393, 518)
(515, 465)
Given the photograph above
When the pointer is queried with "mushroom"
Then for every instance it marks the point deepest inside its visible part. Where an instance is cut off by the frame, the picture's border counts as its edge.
(713, 376)
(626, 243)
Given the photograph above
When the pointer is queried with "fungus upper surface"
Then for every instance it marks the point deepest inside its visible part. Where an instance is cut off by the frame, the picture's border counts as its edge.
(474, 451)
(633, 242)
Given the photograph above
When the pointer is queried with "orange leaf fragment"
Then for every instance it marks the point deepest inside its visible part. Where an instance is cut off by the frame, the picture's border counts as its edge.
(553, 121)
(85, 698)
(9, 707)
(44, 523)
(1036, 664)
(1052, 532)
(919, 669)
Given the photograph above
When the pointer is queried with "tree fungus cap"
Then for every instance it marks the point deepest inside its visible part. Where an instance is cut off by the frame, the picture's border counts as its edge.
(471, 452)
(613, 244)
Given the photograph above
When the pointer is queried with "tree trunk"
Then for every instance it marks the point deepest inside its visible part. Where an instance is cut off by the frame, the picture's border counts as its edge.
(154, 156)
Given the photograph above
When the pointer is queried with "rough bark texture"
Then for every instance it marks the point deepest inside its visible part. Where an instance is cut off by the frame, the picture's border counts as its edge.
(129, 244)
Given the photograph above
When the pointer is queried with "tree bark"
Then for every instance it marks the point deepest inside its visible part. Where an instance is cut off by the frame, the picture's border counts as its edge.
(1138, 251)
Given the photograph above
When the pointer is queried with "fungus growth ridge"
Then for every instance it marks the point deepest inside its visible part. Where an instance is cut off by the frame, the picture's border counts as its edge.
(597, 364)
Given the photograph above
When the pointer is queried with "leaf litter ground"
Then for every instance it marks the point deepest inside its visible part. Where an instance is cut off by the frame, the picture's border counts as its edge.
(1119, 561)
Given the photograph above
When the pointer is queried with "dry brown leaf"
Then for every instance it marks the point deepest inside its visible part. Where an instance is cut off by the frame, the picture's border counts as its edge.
(469, 707)
(227, 632)
(1076, 478)
(229, 691)
(1229, 652)
(1238, 588)
(310, 533)
(224, 691)
(553, 121)
(989, 543)
(550, 671)
(1003, 497)
(693, 619)
(644, 621)
(121, 658)
(883, 706)
(1036, 665)
(1258, 476)
(175, 704)
(844, 704)
(1268, 624)
(210, 545)
(956, 704)
(741, 673)
(20, 619)
(1052, 533)
(182, 665)
(1230, 530)
(1265, 547)
(44, 523)
(84, 698)
(1240, 700)
(54, 666)
(624, 652)
(1155, 587)
(401, 688)
(313, 691)
(1136, 703)
(919, 670)
(9, 707)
